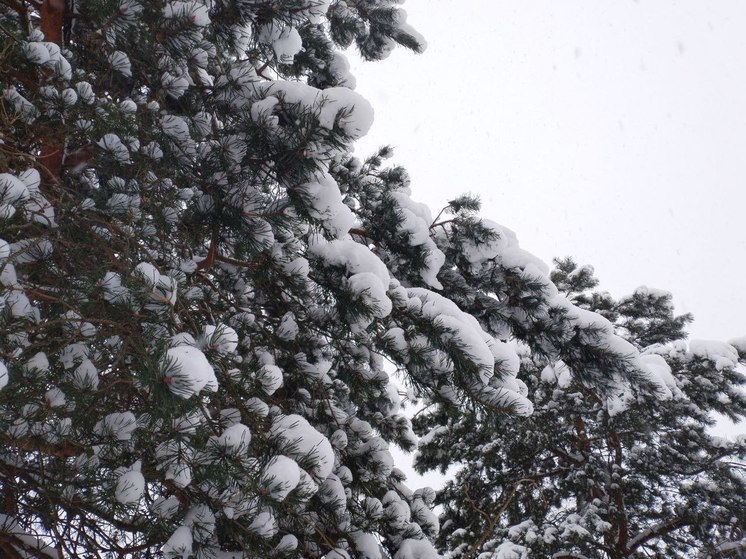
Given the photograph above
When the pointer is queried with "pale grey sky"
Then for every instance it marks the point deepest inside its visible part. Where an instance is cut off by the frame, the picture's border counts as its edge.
(613, 131)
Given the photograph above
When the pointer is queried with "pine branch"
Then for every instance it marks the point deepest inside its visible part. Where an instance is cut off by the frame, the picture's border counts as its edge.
(65, 449)
(492, 520)
(655, 532)
(19, 7)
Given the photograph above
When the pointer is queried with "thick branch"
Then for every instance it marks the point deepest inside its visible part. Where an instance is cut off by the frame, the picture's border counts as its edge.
(52, 17)
(655, 532)
(618, 493)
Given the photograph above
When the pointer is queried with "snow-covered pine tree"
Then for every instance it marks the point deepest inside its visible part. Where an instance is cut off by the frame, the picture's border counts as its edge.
(591, 475)
(200, 288)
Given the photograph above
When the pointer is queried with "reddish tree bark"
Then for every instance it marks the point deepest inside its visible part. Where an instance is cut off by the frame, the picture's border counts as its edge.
(52, 149)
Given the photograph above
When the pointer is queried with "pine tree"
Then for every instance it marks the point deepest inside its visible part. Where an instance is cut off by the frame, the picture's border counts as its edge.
(203, 291)
(632, 472)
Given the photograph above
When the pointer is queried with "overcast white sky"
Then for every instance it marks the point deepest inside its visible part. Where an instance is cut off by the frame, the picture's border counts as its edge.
(613, 131)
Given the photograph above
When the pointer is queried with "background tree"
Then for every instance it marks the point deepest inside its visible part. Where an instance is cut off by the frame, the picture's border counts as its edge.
(628, 473)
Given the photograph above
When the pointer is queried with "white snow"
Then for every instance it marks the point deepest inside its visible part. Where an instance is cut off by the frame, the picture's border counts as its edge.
(36, 53)
(20, 104)
(339, 67)
(173, 456)
(121, 63)
(174, 86)
(466, 332)
(332, 493)
(316, 10)
(352, 112)
(288, 329)
(118, 425)
(114, 291)
(176, 128)
(37, 207)
(368, 287)
(115, 147)
(54, 398)
(335, 105)
(39, 363)
(366, 545)
(739, 344)
(285, 40)
(417, 219)
(130, 485)
(723, 355)
(352, 256)
(85, 92)
(182, 338)
(221, 338)
(264, 524)
(165, 507)
(235, 438)
(510, 550)
(201, 520)
(261, 111)
(416, 549)
(280, 477)
(659, 373)
(288, 543)
(270, 378)
(324, 202)
(190, 421)
(395, 336)
(505, 249)
(12, 189)
(302, 441)
(194, 12)
(189, 371)
(179, 544)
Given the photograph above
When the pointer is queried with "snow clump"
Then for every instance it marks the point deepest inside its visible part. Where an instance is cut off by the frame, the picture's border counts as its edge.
(130, 485)
(235, 439)
(220, 338)
(301, 441)
(721, 354)
(187, 371)
(118, 426)
(285, 41)
(179, 545)
(280, 477)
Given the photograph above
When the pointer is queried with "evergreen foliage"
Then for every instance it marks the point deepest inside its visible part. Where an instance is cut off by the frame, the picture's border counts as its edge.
(633, 473)
(204, 296)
